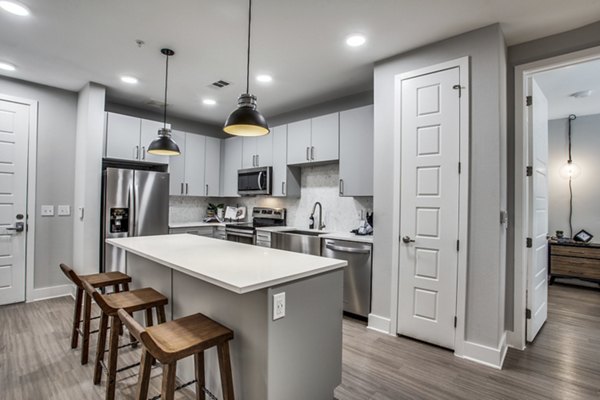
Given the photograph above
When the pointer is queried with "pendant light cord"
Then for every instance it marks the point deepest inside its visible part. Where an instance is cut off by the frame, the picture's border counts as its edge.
(571, 118)
(248, 58)
(166, 87)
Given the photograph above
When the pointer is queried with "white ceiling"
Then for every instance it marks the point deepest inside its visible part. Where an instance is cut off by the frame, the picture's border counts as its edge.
(559, 84)
(66, 43)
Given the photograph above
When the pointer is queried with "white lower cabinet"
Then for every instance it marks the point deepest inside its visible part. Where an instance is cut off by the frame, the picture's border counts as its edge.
(263, 238)
(219, 233)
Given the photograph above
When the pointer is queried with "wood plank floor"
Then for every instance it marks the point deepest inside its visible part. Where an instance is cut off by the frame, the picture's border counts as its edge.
(563, 363)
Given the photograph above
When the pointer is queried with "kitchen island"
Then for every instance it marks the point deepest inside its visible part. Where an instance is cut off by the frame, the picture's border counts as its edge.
(298, 356)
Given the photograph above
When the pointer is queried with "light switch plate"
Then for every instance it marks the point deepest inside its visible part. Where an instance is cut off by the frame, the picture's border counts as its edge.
(64, 210)
(278, 306)
(47, 211)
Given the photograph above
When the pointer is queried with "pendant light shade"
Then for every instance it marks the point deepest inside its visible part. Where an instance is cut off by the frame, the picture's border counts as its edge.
(246, 120)
(164, 145)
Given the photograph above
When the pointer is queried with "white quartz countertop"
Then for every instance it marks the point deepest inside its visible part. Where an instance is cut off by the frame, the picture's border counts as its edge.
(194, 224)
(238, 267)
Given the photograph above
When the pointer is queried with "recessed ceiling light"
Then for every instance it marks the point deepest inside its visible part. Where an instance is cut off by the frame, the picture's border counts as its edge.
(14, 8)
(129, 79)
(581, 94)
(355, 40)
(7, 66)
(264, 78)
(209, 102)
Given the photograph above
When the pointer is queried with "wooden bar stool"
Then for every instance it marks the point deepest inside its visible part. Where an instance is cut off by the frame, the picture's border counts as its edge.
(177, 339)
(134, 300)
(117, 280)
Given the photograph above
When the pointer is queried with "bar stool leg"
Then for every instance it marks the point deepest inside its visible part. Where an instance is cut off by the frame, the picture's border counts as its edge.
(115, 325)
(149, 321)
(225, 369)
(160, 314)
(76, 318)
(100, 348)
(144, 375)
(85, 346)
(199, 370)
(168, 381)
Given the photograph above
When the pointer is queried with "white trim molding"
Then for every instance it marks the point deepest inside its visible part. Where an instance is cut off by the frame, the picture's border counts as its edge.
(486, 355)
(517, 338)
(50, 292)
(463, 64)
(380, 324)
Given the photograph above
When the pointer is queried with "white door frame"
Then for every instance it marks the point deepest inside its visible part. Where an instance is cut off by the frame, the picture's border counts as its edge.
(31, 184)
(517, 338)
(463, 223)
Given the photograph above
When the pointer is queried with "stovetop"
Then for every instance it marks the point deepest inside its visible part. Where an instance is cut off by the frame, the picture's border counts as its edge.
(261, 217)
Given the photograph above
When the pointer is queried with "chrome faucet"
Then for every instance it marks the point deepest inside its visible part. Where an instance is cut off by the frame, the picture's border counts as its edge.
(312, 217)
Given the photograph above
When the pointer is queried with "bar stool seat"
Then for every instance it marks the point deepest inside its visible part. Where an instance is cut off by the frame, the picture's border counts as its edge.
(177, 339)
(118, 281)
(129, 302)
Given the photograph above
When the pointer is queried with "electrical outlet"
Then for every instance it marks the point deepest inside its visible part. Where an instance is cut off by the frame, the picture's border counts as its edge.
(47, 211)
(64, 210)
(278, 306)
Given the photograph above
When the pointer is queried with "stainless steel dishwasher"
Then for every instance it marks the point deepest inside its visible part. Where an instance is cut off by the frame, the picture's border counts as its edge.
(357, 275)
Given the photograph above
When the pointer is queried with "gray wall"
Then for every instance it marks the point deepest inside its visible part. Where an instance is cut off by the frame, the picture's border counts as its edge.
(57, 116)
(586, 191)
(485, 290)
(551, 46)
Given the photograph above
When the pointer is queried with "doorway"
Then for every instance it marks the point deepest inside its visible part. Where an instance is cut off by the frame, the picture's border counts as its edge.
(550, 95)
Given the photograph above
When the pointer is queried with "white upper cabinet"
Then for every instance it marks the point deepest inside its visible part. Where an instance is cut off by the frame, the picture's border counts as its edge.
(177, 166)
(298, 142)
(128, 138)
(325, 138)
(195, 148)
(122, 137)
(212, 166)
(149, 133)
(231, 162)
(356, 152)
(314, 140)
(285, 180)
(257, 151)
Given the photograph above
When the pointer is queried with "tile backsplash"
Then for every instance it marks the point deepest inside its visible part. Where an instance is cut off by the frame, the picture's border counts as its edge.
(319, 183)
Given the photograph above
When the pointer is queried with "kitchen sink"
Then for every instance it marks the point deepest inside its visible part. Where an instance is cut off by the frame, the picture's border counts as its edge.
(299, 241)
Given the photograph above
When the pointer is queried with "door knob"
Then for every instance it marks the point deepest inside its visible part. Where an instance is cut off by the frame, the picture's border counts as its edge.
(407, 239)
(19, 227)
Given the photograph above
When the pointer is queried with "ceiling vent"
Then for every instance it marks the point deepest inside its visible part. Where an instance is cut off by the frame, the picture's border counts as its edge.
(155, 103)
(220, 84)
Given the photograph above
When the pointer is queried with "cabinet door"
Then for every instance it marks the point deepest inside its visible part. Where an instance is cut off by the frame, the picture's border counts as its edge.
(298, 142)
(149, 133)
(177, 166)
(279, 134)
(356, 152)
(248, 152)
(325, 138)
(195, 148)
(122, 137)
(232, 162)
(264, 150)
(212, 166)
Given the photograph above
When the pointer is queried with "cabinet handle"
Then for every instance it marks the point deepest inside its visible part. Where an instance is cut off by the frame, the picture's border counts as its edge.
(312, 152)
(254, 160)
(186, 188)
(137, 153)
(341, 186)
(143, 152)
(283, 188)
(181, 187)
(257, 160)
(207, 189)
(307, 154)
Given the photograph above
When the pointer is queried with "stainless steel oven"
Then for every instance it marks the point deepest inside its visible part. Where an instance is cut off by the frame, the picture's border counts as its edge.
(261, 217)
(254, 181)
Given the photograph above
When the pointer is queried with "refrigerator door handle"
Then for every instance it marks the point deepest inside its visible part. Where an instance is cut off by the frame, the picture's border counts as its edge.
(131, 207)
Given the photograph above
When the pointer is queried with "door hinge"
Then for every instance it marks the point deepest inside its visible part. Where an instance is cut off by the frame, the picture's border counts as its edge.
(459, 167)
(527, 313)
(529, 100)
(455, 321)
(529, 242)
(529, 170)
(458, 245)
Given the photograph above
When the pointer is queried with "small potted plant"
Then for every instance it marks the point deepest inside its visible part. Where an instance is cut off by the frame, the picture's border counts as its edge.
(213, 210)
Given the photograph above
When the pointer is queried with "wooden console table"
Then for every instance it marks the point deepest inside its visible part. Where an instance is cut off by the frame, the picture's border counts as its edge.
(574, 260)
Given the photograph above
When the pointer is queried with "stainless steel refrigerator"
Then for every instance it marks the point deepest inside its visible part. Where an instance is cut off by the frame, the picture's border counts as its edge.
(135, 203)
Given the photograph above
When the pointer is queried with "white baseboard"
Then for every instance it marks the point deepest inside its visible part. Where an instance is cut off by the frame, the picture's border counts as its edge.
(49, 292)
(379, 324)
(515, 341)
(486, 355)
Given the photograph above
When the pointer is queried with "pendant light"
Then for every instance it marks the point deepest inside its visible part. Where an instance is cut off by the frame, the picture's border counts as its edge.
(246, 120)
(570, 171)
(163, 145)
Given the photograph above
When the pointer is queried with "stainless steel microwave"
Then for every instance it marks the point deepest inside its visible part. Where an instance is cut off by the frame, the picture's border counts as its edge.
(252, 181)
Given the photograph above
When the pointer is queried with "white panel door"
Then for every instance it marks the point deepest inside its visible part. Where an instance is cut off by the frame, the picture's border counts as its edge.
(212, 166)
(14, 133)
(325, 138)
(356, 152)
(429, 207)
(298, 142)
(248, 152)
(264, 150)
(537, 263)
(177, 166)
(149, 132)
(195, 156)
(123, 137)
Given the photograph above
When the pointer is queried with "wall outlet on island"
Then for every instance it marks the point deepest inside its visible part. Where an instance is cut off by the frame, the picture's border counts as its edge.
(278, 306)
